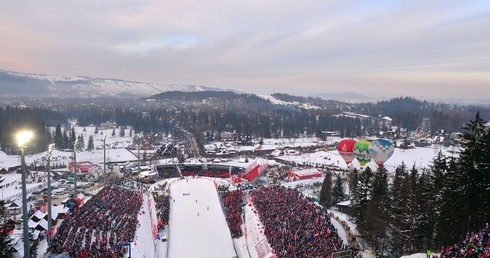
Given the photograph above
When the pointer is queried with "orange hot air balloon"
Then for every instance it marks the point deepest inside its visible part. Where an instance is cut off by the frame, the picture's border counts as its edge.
(346, 150)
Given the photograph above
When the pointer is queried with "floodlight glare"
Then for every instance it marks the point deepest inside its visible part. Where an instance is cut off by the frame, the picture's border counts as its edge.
(24, 137)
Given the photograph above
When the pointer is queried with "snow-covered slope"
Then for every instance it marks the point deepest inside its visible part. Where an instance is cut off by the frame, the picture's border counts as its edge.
(21, 84)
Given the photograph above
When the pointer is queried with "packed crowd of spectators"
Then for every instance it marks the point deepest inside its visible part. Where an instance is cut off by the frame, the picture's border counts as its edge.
(476, 245)
(165, 173)
(232, 208)
(293, 225)
(214, 173)
(162, 187)
(162, 204)
(108, 218)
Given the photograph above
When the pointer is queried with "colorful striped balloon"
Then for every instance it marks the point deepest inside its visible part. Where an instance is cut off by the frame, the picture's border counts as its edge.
(361, 150)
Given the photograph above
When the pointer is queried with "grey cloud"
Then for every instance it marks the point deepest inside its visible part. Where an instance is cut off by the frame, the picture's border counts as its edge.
(258, 45)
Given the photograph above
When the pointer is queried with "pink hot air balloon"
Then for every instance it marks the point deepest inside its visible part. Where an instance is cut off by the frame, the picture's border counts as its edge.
(346, 150)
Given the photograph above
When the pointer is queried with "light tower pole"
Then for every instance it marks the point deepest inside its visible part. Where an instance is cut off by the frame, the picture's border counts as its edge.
(22, 140)
(105, 175)
(50, 218)
(138, 138)
(75, 147)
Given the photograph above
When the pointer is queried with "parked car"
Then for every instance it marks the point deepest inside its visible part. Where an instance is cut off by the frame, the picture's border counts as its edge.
(37, 192)
(45, 197)
(60, 191)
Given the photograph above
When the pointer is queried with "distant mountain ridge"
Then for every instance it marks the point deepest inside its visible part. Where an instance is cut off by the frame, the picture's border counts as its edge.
(40, 85)
(32, 85)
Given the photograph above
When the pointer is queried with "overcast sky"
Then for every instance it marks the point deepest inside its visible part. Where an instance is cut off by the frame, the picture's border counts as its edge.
(407, 48)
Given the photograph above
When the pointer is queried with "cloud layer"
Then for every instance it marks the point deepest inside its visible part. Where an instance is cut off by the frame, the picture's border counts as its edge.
(415, 48)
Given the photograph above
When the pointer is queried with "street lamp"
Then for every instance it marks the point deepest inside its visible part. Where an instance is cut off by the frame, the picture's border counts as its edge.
(105, 175)
(22, 140)
(138, 138)
(75, 147)
(50, 218)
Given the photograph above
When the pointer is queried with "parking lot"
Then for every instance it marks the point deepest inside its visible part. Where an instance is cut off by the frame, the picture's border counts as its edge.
(59, 195)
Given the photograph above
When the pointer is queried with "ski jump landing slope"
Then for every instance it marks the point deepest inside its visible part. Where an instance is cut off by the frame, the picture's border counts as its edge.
(197, 226)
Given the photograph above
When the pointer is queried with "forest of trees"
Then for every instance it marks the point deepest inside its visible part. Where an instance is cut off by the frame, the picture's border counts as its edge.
(14, 119)
(6, 249)
(217, 112)
(415, 209)
(424, 208)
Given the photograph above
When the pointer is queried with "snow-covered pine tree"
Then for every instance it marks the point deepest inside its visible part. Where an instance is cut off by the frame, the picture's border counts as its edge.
(474, 164)
(338, 194)
(326, 191)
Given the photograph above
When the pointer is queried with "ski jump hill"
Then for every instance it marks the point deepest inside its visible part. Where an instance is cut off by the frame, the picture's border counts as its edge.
(197, 224)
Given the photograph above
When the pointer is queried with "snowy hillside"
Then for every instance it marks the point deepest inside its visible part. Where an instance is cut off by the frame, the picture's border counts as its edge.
(20, 84)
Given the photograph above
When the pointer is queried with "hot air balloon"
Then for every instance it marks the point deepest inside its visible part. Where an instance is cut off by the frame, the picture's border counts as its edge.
(380, 151)
(361, 150)
(346, 148)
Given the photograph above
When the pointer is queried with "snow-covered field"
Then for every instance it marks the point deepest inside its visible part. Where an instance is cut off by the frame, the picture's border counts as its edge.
(198, 227)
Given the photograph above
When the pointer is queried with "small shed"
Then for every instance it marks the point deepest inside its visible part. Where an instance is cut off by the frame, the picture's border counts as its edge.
(14, 207)
(303, 174)
(344, 207)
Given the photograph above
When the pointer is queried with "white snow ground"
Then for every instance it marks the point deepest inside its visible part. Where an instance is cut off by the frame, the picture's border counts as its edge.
(145, 245)
(197, 226)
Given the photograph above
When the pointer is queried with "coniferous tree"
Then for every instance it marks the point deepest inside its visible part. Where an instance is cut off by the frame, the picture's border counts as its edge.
(72, 136)
(45, 139)
(412, 208)
(360, 197)
(396, 220)
(474, 171)
(6, 249)
(66, 141)
(426, 216)
(81, 142)
(121, 132)
(326, 191)
(353, 180)
(338, 194)
(90, 144)
(485, 168)
(374, 226)
(437, 174)
(58, 137)
(449, 228)
(437, 183)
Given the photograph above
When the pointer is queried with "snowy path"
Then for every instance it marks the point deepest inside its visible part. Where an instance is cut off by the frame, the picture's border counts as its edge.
(143, 245)
(197, 225)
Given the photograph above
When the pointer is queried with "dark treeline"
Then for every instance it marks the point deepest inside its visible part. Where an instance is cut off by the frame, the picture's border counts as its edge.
(417, 208)
(409, 112)
(15, 119)
(426, 208)
(211, 113)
